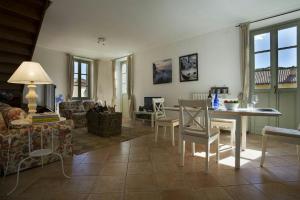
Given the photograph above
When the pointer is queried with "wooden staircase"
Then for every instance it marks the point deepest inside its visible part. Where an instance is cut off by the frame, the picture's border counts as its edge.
(20, 23)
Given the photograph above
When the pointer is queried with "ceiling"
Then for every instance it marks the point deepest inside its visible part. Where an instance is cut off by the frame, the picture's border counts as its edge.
(129, 26)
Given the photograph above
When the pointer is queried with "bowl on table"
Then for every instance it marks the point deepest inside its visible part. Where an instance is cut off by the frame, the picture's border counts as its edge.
(231, 104)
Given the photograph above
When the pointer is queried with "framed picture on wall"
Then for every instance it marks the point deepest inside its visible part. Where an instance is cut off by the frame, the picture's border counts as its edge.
(188, 67)
(162, 71)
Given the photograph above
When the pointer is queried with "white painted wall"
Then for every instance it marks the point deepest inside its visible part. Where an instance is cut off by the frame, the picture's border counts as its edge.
(105, 86)
(55, 64)
(218, 65)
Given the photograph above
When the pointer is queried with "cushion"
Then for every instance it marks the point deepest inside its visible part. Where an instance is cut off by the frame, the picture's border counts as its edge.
(193, 132)
(3, 106)
(88, 105)
(168, 120)
(270, 130)
(3, 126)
(13, 113)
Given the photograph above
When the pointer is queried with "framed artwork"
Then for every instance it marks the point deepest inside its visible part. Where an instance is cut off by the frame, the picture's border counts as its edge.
(188, 67)
(162, 71)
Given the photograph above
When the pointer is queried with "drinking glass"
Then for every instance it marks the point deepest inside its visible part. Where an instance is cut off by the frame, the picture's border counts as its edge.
(254, 100)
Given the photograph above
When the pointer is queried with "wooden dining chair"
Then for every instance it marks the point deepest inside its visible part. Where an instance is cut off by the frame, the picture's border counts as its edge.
(290, 136)
(195, 131)
(228, 124)
(161, 120)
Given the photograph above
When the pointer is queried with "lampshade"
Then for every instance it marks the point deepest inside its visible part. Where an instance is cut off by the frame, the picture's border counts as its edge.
(30, 73)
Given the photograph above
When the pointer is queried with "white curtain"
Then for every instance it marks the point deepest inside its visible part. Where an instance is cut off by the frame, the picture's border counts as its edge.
(244, 59)
(95, 80)
(130, 79)
(113, 100)
(70, 78)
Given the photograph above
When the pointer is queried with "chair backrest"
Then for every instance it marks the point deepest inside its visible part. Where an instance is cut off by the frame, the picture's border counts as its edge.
(190, 113)
(158, 108)
(299, 127)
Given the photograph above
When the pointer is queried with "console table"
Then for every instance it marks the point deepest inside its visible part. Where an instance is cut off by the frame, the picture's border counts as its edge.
(145, 116)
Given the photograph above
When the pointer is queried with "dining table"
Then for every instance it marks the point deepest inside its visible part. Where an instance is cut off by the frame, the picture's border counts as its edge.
(240, 115)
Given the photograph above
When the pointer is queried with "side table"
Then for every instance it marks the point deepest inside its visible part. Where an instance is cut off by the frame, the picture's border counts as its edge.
(37, 152)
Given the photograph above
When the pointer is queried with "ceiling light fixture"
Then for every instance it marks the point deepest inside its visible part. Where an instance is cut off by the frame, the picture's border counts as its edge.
(101, 40)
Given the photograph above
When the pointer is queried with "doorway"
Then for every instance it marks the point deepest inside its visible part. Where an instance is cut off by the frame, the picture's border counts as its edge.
(274, 58)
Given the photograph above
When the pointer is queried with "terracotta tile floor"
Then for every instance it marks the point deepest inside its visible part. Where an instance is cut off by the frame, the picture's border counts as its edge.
(140, 169)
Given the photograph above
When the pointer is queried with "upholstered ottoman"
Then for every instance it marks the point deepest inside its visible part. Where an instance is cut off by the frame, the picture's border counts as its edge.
(103, 123)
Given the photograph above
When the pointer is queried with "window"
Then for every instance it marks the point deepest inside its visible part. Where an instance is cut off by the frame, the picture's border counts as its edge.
(287, 58)
(124, 77)
(274, 56)
(262, 61)
(81, 89)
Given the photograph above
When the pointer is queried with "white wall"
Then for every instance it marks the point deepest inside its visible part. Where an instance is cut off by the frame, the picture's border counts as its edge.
(55, 64)
(105, 87)
(218, 65)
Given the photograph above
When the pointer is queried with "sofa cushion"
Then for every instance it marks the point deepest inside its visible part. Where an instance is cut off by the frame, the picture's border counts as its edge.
(88, 105)
(3, 126)
(3, 106)
(12, 113)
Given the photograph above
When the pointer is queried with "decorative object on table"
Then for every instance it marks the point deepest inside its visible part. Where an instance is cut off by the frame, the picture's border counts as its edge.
(44, 117)
(141, 108)
(231, 104)
(254, 99)
(58, 99)
(209, 97)
(162, 71)
(216, 102)
(31, 74)
(188, 67)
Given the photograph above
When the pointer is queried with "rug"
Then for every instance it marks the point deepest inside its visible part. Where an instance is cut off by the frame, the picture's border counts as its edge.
(84, 142)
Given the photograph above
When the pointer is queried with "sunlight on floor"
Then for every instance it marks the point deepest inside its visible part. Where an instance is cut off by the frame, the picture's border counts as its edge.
(246, 156)
(250, 154)
(230, 161)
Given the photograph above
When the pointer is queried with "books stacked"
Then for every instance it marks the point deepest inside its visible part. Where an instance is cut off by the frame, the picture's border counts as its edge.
(45, 117)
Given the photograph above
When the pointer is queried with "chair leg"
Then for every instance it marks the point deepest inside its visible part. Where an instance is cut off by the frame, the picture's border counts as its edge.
(193, 148)
(156, 132)
(62, 164)
(165, 130)
(263, 151)
(182, 152)
(172, 135)
(298, 153)
(18, 174)
(218, 153)
(179, 142)
(207, 157)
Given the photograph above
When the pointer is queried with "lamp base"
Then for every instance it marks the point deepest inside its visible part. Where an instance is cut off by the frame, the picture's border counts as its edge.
(31, 97)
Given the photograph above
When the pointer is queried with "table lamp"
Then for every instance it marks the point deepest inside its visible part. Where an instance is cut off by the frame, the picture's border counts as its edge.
(31, 74)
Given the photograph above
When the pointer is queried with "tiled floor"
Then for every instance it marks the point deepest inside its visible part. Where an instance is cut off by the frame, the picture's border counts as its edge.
(139, 169)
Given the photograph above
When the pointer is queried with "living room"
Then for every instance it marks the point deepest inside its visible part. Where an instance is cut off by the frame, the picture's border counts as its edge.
(149, 99)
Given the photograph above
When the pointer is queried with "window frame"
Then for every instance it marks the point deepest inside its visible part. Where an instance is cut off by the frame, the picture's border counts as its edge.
(273, 29)
(88, 75)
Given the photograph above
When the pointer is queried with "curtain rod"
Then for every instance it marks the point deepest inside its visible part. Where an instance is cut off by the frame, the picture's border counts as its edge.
(121, 57)
(278, 15)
